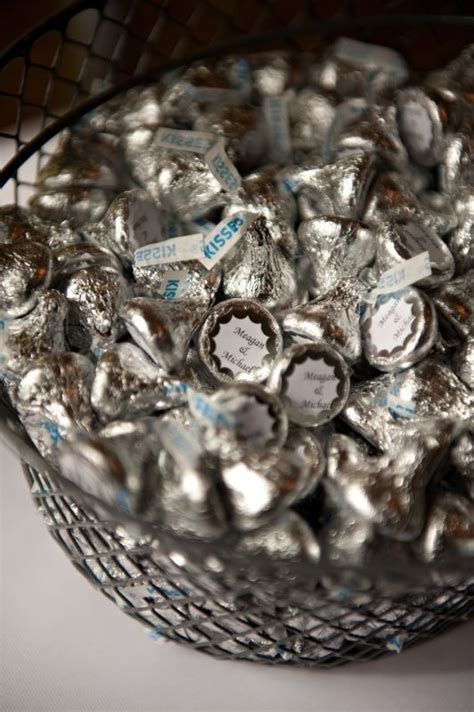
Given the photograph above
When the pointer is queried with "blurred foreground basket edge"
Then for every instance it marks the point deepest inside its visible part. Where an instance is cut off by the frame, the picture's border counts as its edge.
(225, 609)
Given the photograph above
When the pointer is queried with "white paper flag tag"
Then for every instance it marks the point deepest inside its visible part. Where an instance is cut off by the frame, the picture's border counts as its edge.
(222, 167)
(177, 249)
(180, 443)
(401, 276)
(224, 236)
(174, 284)
(211, 146)
(205, 410)
(192, 141)
(275, 109)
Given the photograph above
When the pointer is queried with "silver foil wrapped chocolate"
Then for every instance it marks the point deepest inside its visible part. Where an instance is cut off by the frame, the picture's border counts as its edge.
(449, 532)
(257, 268)
(26, 269)
(337, 248)
(118, 465)
(239, 340)
(288, 538)
(128, 384)
(239, 415)
(420, 122)
(188, 281)
(308, 447)
(18, 224)
(36, 334)
(334, 319)
(163, 328)
(312, 381)
(388, 490)
(462, 457)
(455, 303)
(95, 296)
(340, 188)
(463, 362)
(53, 399)
(381, 409)
(401, 240)
(311, 115)
(399, 329)
(76, 205)
(77, 256)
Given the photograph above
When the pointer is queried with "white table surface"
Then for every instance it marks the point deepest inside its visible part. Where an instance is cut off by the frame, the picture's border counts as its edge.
(65, 647)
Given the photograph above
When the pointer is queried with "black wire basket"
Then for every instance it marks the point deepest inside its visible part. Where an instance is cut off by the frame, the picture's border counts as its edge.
(192, 593)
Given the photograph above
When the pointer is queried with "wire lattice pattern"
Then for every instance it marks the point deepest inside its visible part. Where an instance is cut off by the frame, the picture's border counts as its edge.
(49, 79)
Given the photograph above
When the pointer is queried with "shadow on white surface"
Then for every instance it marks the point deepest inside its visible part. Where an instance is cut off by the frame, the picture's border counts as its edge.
(65, 648)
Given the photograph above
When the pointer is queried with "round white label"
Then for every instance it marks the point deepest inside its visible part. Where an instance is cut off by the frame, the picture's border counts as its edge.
(391, 324)
(312, 385)
(416, 126)
(240, 345)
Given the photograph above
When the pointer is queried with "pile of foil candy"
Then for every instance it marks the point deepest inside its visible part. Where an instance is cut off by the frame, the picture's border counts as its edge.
(241, 300)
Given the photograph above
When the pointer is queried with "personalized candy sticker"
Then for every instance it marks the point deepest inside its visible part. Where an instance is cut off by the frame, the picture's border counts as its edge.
(240, 345)
(390, 326)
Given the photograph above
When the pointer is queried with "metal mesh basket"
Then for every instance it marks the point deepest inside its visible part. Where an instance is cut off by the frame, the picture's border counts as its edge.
(224, 606)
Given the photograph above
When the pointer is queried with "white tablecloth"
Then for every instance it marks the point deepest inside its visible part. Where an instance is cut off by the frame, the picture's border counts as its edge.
(65, 647)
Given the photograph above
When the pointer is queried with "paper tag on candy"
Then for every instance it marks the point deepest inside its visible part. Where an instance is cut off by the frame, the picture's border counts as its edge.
(275, 109)
(224, 237)
(419, 240)
(222, 167)
(312, 385)
(391, 323)
(240, 345)
(402, 275)
(174, 284)
(205, 410)
(176, 249)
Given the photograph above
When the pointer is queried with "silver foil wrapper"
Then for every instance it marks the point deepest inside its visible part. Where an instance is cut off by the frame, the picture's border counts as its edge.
(188, 281)
(388, 490)
(347, 540)
(287, 539)
(312, 381)
(456, 166)
(128, 384)
(26, 269)
(95, 296)
(463, 362)
(381, 409)
(334, 319)
(308, 447)
(420, 122)
(240, 415)
(240, 341)
(77, 256)
(399, 241)
(399, 330)
(36, 334)
(131, 221)
(244, 131)
(118, 465)
(264, 193)
(180, 182)
(311, 116)
(163, 328)
(257, 268)
(449, 532)
(337, 249)
(260, 486)
(455, 303)
(462, 457)
(461, 240)
(340, 188)
(18, 224)
(189, 501)
(53, 399)
(76, 205)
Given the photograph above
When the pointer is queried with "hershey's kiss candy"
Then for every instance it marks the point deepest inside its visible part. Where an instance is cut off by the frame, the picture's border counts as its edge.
(189, 502)
(462, 457)
(347, 540)
(95, 295)
(259, 486)
(463, 362)
(401, 240)
(399, 329)
(312, 381)
(340, 188)
(388, 490)
(126, 382)
(289, 538)
(37, 334)
(25, 271)
(239, 340)
(245, 414)
(257, 268)
(456, 162)
(334, 319)
(455, 303)
(449, 532)
(163, 328)
(311, 115)
(380, 409)
(131, 221)
(337, 248)
(76, 205)
(71, 258)
(308, 447)
(18, 224)
(421, 126)
(117, 466)
(53, 399)
(190, 282)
